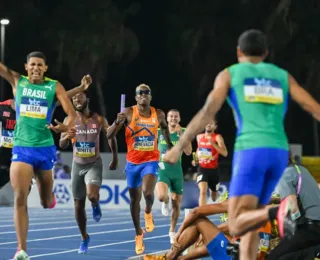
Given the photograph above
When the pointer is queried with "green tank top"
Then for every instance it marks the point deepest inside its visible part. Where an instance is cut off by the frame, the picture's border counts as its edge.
(163, 147)
(258, 97)
(34, 107)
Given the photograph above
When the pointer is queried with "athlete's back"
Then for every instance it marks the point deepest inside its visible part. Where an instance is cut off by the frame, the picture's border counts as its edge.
(258, 96)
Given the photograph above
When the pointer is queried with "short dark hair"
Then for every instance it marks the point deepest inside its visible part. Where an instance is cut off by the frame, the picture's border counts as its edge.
(253, 43)
(174, 110)
(37, 54)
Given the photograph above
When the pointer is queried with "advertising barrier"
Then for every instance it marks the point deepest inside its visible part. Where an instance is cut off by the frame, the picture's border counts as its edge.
(114, 194)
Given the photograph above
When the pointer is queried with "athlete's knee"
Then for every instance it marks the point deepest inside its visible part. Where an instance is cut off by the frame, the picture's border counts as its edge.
(93, 197)
(148, 195)
(234, 228)
(162, 197)
(20, 198)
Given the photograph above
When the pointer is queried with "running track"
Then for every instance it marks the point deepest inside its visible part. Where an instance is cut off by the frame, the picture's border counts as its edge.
(53, 234)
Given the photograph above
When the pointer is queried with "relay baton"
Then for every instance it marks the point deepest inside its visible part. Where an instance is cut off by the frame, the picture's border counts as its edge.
(123, 103)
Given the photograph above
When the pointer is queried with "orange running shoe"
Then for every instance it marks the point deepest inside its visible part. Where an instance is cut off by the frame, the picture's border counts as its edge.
(149, 222)
(139, 243)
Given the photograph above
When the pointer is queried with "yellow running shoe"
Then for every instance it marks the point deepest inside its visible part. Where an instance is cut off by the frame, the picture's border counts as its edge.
(139, 244)
(149, 222)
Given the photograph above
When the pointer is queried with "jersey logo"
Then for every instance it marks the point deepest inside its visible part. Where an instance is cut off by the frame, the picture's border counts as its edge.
(6, 114)
(49, 87)
(263, 90)
(94, 125)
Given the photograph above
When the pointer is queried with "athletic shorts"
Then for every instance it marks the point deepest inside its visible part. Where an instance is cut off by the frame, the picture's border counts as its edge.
(257, 172)
(210, 176)
(83, 175)
(173, 178)
(40, 158)
(136, 172)
(217, 248)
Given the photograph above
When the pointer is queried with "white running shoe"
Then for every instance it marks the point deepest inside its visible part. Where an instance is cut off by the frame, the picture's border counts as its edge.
(165, 209)
(172, 236)
(21, 255)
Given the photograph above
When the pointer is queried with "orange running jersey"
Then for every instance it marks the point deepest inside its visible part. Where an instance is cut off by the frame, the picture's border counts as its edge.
(141, 137)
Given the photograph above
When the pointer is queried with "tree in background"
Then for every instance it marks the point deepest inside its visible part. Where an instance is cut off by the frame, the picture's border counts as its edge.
(87, 38)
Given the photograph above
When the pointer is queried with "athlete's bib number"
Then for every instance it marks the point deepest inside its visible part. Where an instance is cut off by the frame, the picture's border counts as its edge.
(6, 139)
(205, 153)
(264, 242)
(85, 149)
(143, 143)
(34, 107)
(262, 90)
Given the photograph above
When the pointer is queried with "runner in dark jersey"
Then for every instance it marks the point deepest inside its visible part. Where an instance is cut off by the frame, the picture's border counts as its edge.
(87, 167)
(7, 124)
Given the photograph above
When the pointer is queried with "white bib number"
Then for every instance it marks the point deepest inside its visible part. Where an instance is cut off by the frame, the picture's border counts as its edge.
(261, 90)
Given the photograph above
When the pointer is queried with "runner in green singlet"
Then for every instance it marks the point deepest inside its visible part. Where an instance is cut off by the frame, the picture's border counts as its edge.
(171, 176)
(34, 149)
(258, 93)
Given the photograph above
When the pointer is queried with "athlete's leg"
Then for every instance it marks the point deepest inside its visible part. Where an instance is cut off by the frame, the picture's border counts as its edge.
(93, 180)
(162, 187)
(134, 183)
(45, 186)
(162, 191)
(45, 158)
(203, 188)
(175, 214)
(148, 185)
(21, 174)
(176, 198)
(81, 218)
(135, 198)
(250, 175)
(214, 184)
(149, 179)
(201, 226)
(79, 194)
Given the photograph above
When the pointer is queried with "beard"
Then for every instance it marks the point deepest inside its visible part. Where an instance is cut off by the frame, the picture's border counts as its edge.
(82, 108)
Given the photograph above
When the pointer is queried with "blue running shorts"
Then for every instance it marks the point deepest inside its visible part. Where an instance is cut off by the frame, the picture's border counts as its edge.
(41, 158)
(136, 172)
(257, 172)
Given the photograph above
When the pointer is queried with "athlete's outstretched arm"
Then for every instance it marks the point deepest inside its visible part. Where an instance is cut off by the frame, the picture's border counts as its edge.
(164, 127)
(85, 84)
(68, 109)
(119, 122)
(112, 143)
(303, 98)
(9, 75)
(214, 102)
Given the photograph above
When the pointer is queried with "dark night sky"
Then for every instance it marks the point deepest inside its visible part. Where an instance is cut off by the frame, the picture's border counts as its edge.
(174, 84)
